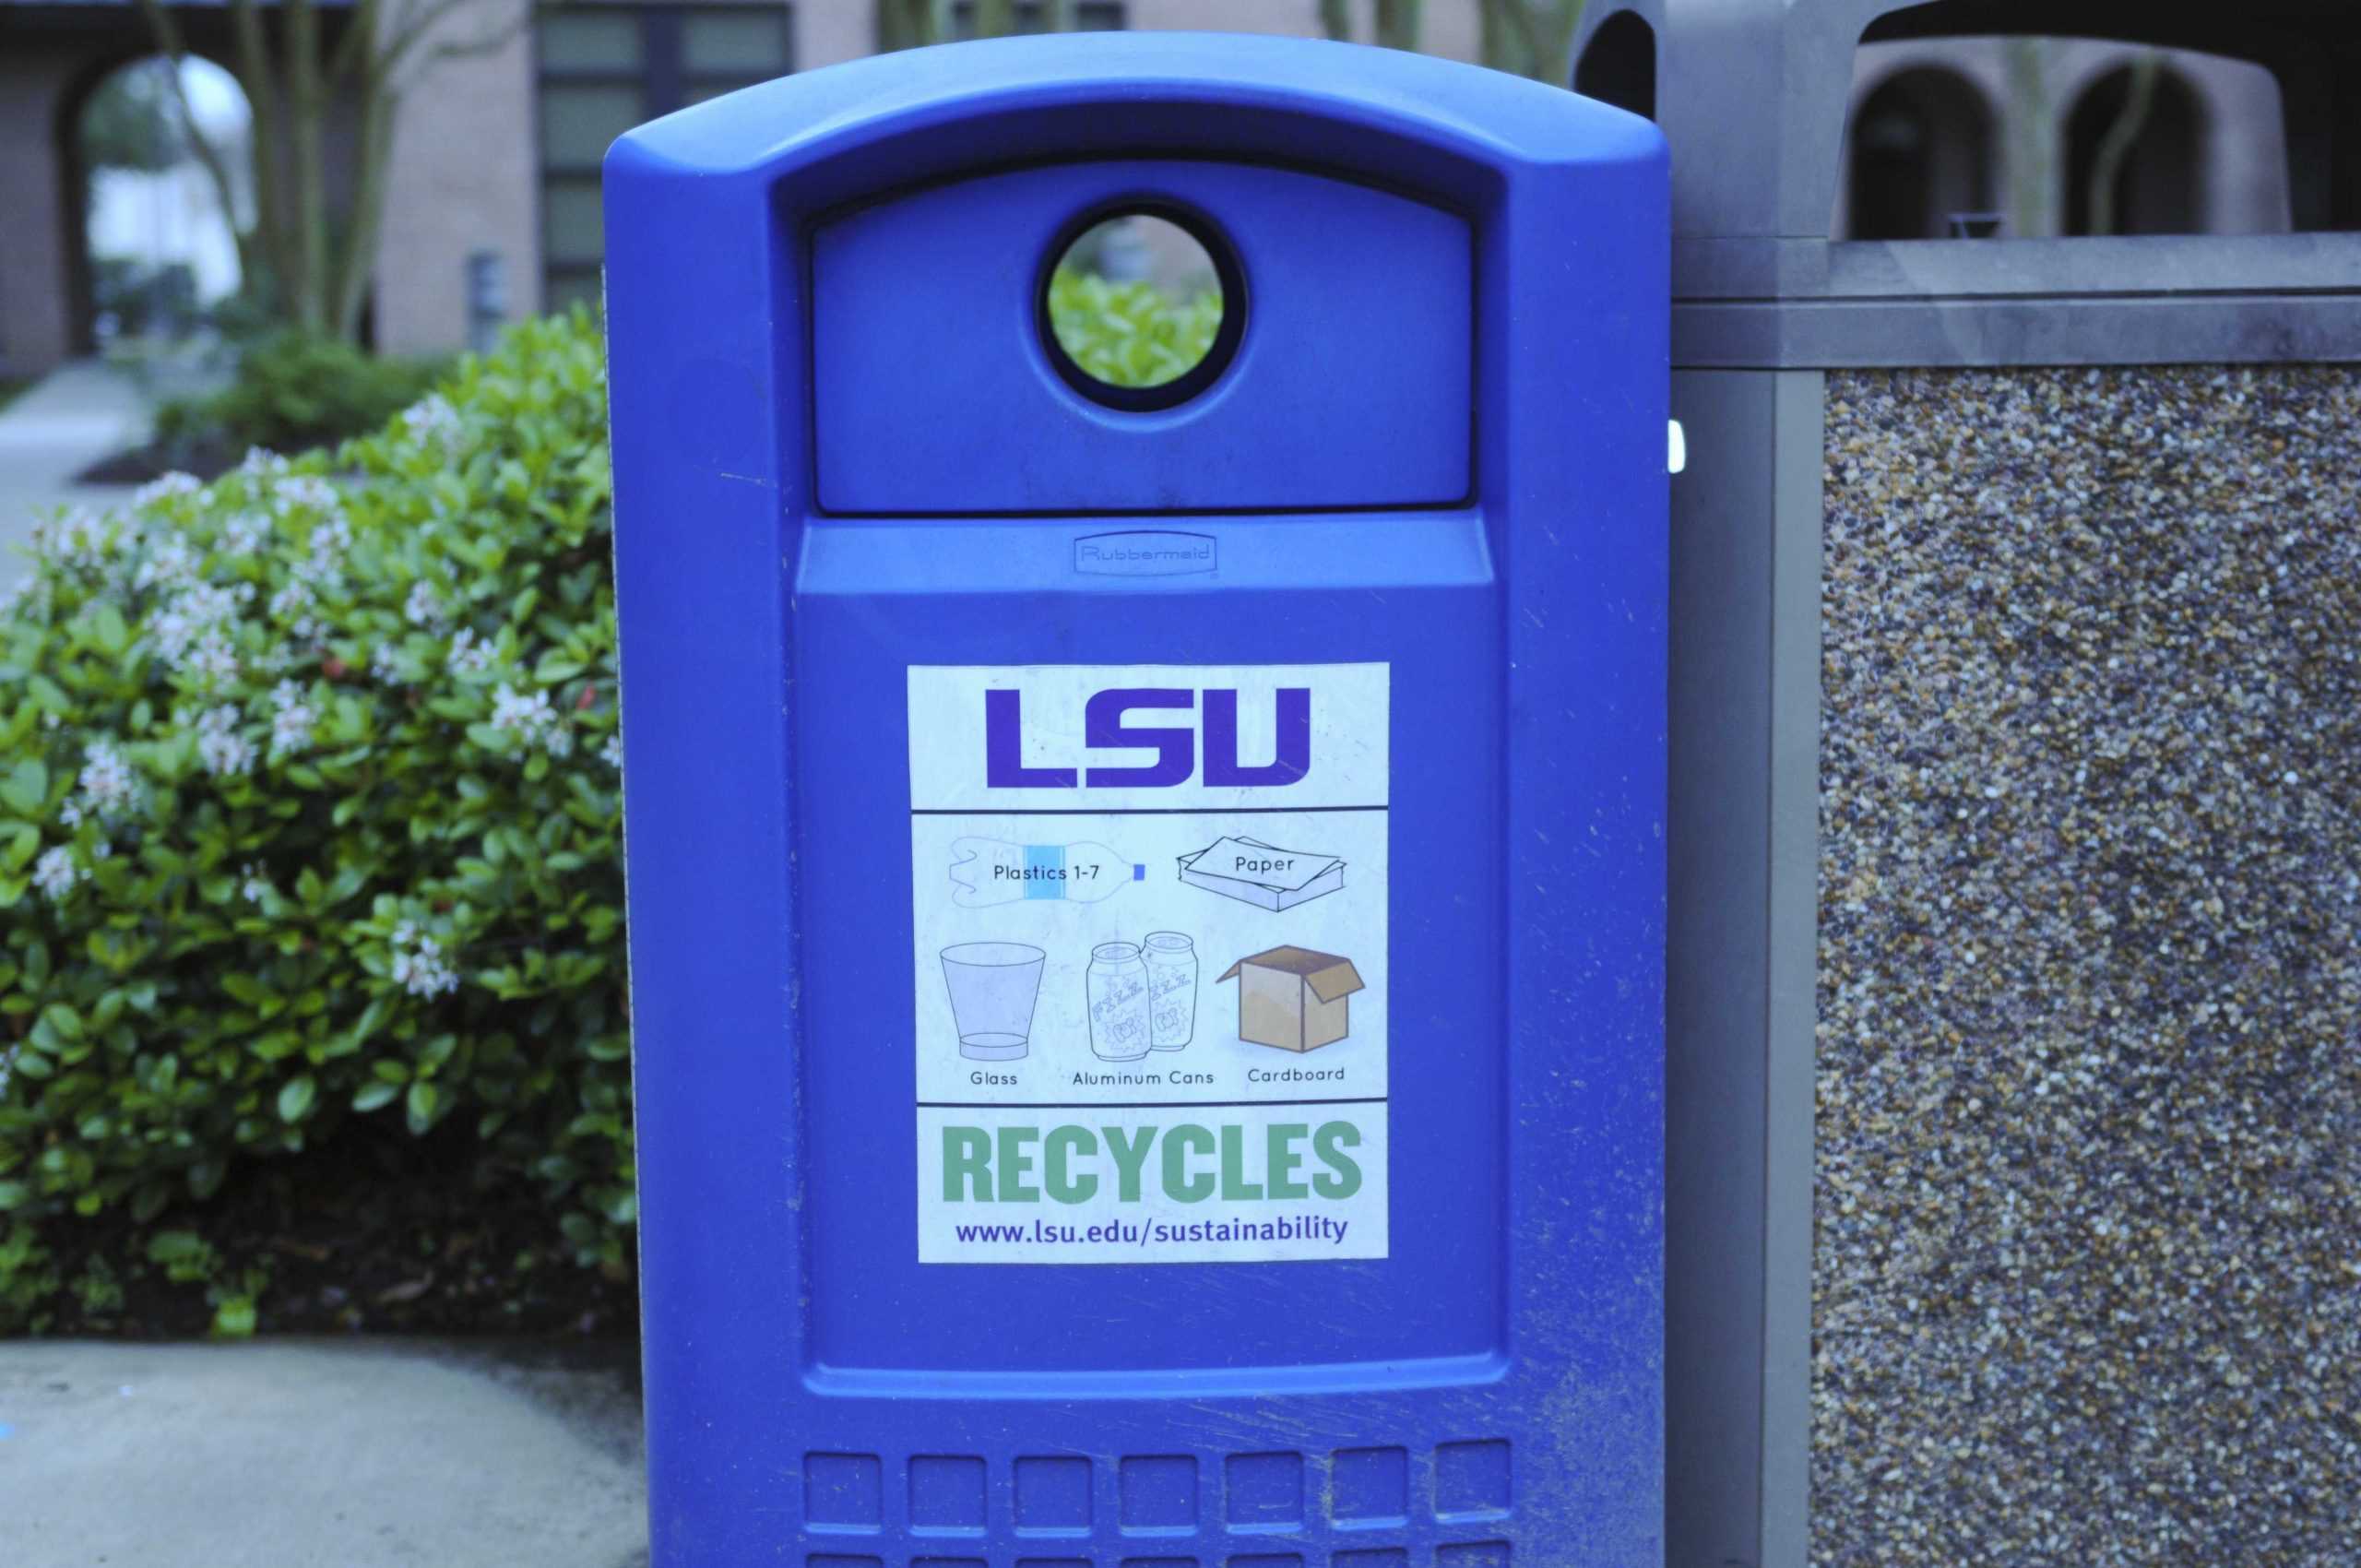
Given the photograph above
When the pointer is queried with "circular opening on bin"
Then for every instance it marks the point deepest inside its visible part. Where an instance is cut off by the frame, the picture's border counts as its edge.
(1142, 305)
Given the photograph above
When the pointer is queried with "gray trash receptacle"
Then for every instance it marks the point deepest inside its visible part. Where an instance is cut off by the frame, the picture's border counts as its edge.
(2010, 824)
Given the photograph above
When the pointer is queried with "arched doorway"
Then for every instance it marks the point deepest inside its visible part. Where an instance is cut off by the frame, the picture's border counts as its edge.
(1921, 153)
(2134, 155)
(1619, 66)
(158, 247)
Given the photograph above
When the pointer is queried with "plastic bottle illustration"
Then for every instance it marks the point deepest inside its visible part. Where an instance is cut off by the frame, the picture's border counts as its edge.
(1121, 1029)
(989, 870)
(1171, 961)
(994, 986)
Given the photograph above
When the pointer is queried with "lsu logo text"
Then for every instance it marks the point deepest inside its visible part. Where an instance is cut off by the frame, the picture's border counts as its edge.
(1112, 720)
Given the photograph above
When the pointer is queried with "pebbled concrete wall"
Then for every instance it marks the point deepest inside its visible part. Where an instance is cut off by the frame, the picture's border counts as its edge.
(2087, 1271)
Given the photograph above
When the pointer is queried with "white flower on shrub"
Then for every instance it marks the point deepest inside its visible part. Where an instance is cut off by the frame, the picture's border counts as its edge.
(291, 718)
(166, 485)
(191, 630)
(27, 596)
(263, 462)
(243, 534)
(418, 966)
(424, 606)
(612, 753)
(294, 605)
(55, 874)
(109, 785)
(165, 559)
(329, 543)
(432, 420)
(385, 663)
(529, 718)
(308, 490)
(220, 748)
(214, 663)
(468, 653)
(78, 538)
(252, 884)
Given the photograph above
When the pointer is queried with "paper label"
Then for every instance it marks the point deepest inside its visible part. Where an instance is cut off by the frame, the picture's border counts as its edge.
(1149, 905)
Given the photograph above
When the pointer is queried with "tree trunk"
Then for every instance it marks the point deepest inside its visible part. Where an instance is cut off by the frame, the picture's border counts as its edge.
(357, 261)
(266, 134)
(1533, 37)
(307, 96)
(995, 18)
(2115, 147)
(1336, 20)
(2033, 149)
(1400, 22)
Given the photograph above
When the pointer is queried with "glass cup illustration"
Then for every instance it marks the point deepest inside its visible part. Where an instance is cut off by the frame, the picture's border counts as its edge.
(994, 986)
(1171, 989)
(1120, 1030)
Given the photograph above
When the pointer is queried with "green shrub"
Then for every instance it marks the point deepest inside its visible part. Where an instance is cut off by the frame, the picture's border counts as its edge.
(294, 390)
(309, 823)
(1131, 333)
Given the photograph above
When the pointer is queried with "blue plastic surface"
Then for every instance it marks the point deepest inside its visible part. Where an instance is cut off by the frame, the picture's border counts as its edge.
(928, 383)
(1489, 1391)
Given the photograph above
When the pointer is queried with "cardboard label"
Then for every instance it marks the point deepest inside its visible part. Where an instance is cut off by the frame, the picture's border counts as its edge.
(1150, 966)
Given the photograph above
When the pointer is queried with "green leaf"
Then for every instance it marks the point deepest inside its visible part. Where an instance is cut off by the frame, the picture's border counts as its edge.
(234, 1318)
(177, 1246)
(295, 1099)
(108, 630)
(372, 1096)
(26, 790)
(423, 1099)
(15, 1195)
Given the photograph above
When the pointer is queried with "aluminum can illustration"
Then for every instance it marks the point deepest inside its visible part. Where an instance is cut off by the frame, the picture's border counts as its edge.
(1171, 961)
(1120, 1027)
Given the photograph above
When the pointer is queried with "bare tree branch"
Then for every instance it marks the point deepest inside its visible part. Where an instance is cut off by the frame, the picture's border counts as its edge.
(168, 41)
(412, 29)
(360, 33)
(490, 43)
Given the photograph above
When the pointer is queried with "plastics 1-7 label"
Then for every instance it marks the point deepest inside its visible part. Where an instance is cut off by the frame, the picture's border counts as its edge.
(1151, 971)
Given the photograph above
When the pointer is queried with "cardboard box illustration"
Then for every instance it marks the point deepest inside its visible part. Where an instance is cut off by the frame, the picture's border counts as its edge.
(1264, 875)
(1294, 998)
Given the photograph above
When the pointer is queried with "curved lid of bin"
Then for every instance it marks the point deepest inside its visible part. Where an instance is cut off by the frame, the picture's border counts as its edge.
(1408, 120)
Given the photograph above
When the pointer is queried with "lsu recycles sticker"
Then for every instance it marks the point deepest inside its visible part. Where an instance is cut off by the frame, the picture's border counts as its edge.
(1150, 972)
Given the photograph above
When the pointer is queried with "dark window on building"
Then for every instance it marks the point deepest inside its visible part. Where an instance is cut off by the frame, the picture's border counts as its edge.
(1919, 155)
(606, 69)
(2132, 156)
(1032, 16)
(1619, 66)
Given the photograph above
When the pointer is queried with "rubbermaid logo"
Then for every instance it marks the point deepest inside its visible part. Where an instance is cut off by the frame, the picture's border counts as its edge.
(1145, 553)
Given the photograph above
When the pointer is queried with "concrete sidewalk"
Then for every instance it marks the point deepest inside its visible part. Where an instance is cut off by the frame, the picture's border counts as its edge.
(315, 1453)
(70, 419)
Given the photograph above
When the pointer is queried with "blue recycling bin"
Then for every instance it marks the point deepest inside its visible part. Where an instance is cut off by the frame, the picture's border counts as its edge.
(1146, 884)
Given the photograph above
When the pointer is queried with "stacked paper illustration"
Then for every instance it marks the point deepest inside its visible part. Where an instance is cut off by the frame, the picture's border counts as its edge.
(1264, 875)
